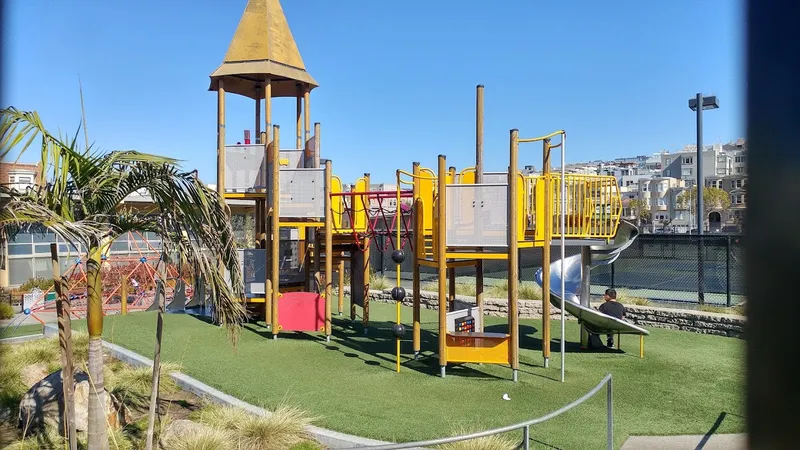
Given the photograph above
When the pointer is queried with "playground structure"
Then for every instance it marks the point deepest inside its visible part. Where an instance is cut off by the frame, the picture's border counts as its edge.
(304, 213)
(129, 282)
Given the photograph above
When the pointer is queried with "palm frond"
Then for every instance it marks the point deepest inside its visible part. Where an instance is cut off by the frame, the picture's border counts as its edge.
(21, 211)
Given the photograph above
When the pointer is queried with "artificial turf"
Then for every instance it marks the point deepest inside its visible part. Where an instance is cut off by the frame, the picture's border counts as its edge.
(687, 383)
(7, 331)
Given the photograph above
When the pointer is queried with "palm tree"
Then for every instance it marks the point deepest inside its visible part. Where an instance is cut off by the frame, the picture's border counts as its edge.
(89, 187)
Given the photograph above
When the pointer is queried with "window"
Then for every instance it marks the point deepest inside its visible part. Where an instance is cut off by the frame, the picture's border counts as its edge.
(737, 199)
(741, 158)
(660, 187)
(644, 187)
(740, 170)
(680, 215)
(668, 161)
(739, 183)
(686, 171)
(662, 202)
(667, 173)
(688, 160)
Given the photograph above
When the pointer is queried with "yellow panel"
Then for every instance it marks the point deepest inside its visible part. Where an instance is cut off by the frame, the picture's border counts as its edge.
(283, 161)
(477, 255)
(427, 186)
(255, 300)
(487, 348)
(467, 176)
(592, 206)
(245, 195)
(302, 224)
(522, 214)
(337, 207)
(359, 205)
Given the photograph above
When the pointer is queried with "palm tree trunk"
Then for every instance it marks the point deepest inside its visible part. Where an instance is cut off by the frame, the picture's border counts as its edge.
(151, 420)
(97, 436)
(65, 344)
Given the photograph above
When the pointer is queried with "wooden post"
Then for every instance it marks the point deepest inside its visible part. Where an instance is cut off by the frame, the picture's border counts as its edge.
(273, 243)
(340, 273)
(441, 260)
(299, 127)
(548, 231)
(419, 252)
(479, 180)
(316, 144)
(266, 236)
(258, 114)
(307, 119)
(63, 310)
(366, 287)
(221, 139)
(328, 247)
(513, 254)
(123, 293)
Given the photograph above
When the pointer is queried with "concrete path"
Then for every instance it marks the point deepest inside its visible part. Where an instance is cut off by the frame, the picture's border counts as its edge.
(691, 442)
(46, 317)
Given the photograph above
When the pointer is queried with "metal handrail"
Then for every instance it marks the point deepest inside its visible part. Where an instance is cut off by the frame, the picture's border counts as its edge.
(525, 426)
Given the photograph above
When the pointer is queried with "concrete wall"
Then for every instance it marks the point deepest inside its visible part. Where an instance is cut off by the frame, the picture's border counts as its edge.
(647, 316)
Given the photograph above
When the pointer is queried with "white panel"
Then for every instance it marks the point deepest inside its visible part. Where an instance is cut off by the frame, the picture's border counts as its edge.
(244, 168)
(477, 215)
(495, 178)
(302, 193)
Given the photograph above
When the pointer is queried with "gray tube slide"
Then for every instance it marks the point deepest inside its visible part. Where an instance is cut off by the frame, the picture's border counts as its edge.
(593, 320)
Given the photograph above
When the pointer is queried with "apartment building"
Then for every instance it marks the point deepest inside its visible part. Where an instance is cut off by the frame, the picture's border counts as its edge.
(18, 176)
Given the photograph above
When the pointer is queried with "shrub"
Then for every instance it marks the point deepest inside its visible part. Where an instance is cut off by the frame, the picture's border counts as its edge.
(624, 296)
(379, 282)
(41, 283)
(6, 311)
(282, 429)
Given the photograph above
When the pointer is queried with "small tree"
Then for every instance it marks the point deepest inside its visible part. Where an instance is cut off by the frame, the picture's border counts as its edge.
(640, 210)
(714, 199)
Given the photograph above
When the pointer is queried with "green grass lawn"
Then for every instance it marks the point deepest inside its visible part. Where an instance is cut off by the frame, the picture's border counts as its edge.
(685, 383)
(22, 330)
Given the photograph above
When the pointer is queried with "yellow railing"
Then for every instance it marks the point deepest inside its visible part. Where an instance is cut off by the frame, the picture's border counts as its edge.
(592, 206)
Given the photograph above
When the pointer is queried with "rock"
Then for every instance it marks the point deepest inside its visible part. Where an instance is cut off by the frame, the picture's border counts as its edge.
(33, 373)
(44, 404)
(179, 429)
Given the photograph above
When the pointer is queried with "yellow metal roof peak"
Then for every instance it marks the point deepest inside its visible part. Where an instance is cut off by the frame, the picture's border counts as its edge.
(262, 47)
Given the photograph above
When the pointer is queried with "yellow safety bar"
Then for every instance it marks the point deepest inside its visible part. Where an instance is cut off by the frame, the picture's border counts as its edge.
(592, 206)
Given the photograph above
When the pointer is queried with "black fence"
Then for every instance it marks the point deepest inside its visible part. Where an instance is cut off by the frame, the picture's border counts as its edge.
(655, 267)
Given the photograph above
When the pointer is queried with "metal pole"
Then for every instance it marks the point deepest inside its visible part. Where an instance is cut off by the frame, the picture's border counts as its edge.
(700, 214)
(728, 271)
(563, 226)
(526, 437)
(610, 414)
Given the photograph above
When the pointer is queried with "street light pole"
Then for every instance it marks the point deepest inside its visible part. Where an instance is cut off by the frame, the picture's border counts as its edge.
(699, 174)
(699, 103)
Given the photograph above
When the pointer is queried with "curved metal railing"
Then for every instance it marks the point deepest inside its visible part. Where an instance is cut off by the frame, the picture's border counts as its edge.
(525, 426)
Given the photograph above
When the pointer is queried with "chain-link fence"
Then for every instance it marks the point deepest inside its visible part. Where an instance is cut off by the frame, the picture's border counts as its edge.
(655, 267)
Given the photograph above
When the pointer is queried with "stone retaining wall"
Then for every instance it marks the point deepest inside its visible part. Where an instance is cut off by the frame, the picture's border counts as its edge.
(646, 316)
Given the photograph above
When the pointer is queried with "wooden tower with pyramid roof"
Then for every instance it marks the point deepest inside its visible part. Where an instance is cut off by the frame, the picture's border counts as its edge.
(287, 187)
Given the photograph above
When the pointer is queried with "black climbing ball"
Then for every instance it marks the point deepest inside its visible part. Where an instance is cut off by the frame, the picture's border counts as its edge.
(398, 293)
(398, 330)
(398, 256)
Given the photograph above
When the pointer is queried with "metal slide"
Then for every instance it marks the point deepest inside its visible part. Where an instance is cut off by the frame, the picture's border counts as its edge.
(594, 321)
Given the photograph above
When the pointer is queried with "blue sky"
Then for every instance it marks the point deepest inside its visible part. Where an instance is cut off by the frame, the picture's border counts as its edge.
(397, 79)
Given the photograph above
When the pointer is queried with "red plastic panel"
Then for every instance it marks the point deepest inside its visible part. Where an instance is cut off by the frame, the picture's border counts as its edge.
(301, 311)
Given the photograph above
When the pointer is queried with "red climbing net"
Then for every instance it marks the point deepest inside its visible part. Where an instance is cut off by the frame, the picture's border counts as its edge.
(382, 219)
